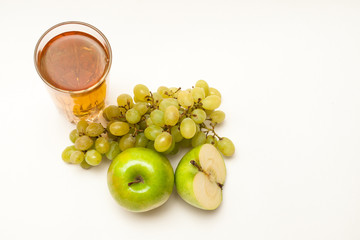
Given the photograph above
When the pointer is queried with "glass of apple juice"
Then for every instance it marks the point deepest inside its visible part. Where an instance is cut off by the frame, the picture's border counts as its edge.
(74, 59)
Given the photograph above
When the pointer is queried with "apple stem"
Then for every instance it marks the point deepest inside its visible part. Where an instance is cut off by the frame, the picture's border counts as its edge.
(138, 179)
(197, 166)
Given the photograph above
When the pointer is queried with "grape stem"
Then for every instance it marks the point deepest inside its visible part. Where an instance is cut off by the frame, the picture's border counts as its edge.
(167, 128)
(126, 107)
(212, 129)
(150, 99)
(177, 90)
(171, 95)
(135, 131)
(185, 113)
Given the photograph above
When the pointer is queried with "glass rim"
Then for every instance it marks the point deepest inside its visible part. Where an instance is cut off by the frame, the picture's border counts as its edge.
(107, 45)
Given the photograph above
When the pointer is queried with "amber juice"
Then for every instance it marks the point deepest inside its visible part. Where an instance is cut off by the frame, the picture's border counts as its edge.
(75, 65)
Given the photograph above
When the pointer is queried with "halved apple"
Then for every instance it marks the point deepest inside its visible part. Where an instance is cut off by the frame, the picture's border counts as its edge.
(200, 177)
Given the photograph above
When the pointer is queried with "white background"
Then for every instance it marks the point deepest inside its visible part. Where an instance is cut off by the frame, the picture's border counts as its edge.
(289, 75)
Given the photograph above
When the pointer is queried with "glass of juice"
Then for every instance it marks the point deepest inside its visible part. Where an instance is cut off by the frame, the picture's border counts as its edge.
(74, 59)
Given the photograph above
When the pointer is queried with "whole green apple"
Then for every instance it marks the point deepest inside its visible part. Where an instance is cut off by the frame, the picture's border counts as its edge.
(140, 179)
(200, 177)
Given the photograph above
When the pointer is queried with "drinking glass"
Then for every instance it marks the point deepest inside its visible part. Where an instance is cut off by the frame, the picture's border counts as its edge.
(78, 103)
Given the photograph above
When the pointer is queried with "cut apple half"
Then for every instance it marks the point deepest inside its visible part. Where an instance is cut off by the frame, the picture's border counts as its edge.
(200, 177)
(208, 182)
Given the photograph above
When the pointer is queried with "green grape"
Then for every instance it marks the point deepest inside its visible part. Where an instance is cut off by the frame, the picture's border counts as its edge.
(118, 128)
(163, 91)
(150, 145)
(67, 153)
(93, 157)
(141, 92)
(198, 94)
(108, 133)
(114, 150)
(185, 99)
(132, 116)
(168, 102)
(81, 127)
(171, 148)
(127, 141)
(83, 143)
(157, 117)
(142, 125)
(203, 84)
(125, 100)
(176, 134)
(163, 142)
(85, 165)
(171, 115)
(102, 145)
(74, 134)
(198, 129)
(141, 140)
(174, 150)
(141, 107)
(214, 91)
(211, 102)
(148, 120)
(77, 157)
(198, 139)
(211, 140)
(94, 129)
(104, 115)
(136, 100)
(152, 132)
(112, 112)
(226, 146)
(208, 112)
(198, 115)
(157, 98)
(185, 143)
(217, 116)
(132, 130)
(188, 128)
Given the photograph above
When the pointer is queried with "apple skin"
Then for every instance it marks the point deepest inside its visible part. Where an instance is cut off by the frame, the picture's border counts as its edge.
(184, 178)
(157, 179)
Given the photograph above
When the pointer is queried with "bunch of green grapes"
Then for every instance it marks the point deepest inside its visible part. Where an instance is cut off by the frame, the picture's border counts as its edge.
(163, 120)
(91, 144)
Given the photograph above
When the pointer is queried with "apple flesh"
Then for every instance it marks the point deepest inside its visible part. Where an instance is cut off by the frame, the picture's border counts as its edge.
(140, 179)
(200, 177)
